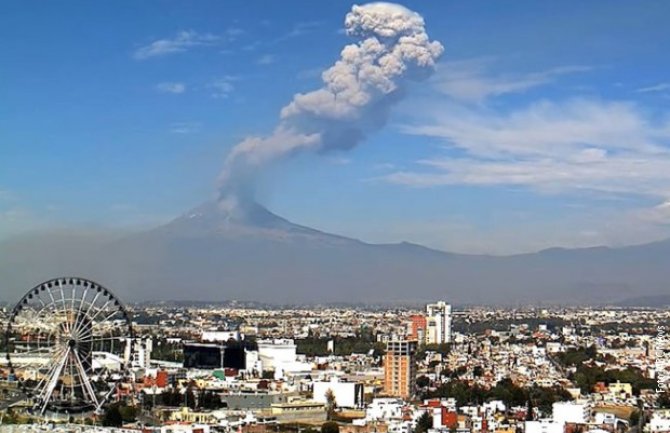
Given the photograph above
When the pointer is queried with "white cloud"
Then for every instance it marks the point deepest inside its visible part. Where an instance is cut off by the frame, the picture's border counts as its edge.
(183, 41)
(545, 129)
(185, 127)
(657, 215)
(595, 148)
(233, 33)
(383, 166)
(299, 29)
(340, 160)
(171, 87)
(470, 80)
(252, 46)
(578, 144)
(658, 88)
(222, 87)
(266, 59)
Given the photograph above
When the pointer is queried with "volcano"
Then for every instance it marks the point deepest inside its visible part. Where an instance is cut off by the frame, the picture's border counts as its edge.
(251, 254)
(248, 220)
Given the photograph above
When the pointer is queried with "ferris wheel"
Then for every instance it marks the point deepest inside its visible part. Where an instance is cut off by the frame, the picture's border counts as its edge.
(66, 340)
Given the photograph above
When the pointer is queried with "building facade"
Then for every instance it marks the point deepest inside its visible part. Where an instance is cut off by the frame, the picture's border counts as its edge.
(400, 368)
(438, 323)
(417, 329)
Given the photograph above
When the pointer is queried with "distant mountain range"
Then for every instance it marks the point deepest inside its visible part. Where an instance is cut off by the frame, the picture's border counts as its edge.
(208, 254)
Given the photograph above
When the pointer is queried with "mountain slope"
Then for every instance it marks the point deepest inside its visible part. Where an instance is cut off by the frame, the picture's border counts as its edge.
(253, 254)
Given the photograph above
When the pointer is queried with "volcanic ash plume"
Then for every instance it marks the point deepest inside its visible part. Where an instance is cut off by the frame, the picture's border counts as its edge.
(357, 92)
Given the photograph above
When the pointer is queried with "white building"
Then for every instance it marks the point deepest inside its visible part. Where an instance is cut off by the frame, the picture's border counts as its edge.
(438, 323)
(252, 362)
(494, 406)
(280, 356)
(140, 355)
(384, 409)
(609, 419)
(273, 354)
(543, 426)
(659, 422)
(571, 412)
(347, 394)
(219, 336)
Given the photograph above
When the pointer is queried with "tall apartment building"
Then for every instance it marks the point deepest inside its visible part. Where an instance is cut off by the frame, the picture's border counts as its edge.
(400, 368)
(417, 329)
(137, 352)
(438, 323)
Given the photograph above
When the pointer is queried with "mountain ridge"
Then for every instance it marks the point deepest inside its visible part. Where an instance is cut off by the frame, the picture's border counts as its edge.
(211, 253)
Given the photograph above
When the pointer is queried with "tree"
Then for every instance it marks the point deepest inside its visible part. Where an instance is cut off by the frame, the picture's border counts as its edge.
(331, 404)
(210, 400)
(424, 423)
(128, 413)
(544, 398)
(112, 417)
(330, 427)
(663, 400)
(190, 397)
(634, 418)
(10, 417)
(422, 381)
(529, 411)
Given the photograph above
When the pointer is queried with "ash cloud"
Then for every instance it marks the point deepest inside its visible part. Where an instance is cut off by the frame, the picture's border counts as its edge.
(358, 91)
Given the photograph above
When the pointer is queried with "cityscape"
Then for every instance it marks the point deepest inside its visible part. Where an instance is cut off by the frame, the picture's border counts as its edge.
(245, 368)
(334, 217)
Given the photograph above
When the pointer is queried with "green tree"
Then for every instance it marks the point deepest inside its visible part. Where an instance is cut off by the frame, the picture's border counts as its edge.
(112, 417)
(128, 413)
(331, 404)
(530, 416)
(422, 382)
(424, 423)
(663, 400)
(634, 418)
(10, 417)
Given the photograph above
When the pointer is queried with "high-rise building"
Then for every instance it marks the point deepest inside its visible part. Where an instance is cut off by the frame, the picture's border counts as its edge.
(438, 323)
(417, 329)
(400, 368)
(139, 355)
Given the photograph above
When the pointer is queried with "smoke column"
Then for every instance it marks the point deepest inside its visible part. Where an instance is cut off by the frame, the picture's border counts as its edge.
(358, 90)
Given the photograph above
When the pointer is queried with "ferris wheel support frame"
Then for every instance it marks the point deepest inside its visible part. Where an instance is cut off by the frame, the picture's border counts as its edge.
(66, 326)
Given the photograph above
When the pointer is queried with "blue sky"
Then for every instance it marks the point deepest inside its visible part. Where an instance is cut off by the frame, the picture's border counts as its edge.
(544, 124)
